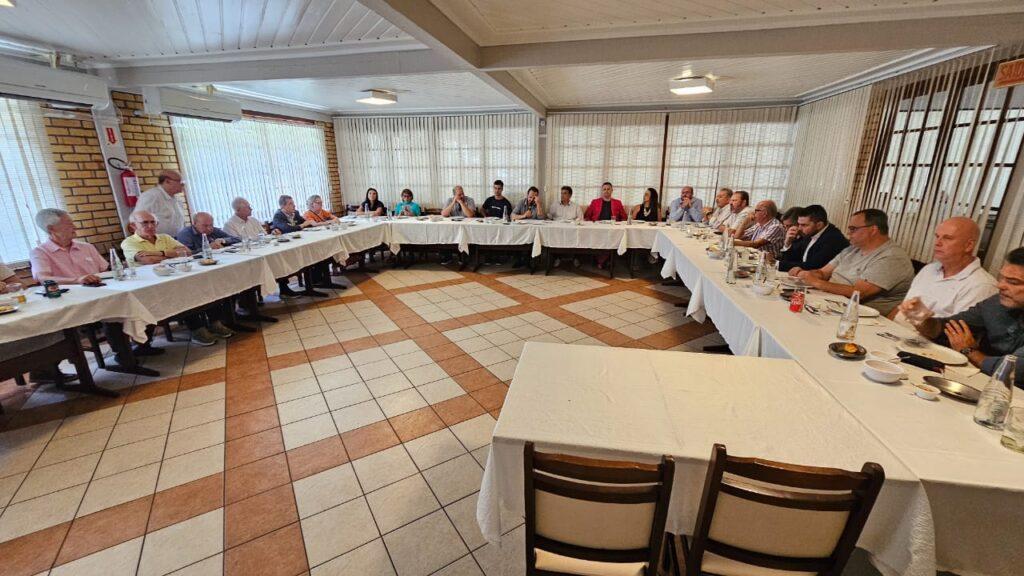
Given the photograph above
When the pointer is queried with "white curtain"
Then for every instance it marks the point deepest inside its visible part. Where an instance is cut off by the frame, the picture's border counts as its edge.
(431, 154)
(253, 158)
(826, 148)
(747, 149)
(28, 178)
(586, 150)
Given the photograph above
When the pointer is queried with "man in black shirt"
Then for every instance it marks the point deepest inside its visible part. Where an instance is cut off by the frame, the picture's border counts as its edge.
(497, 206)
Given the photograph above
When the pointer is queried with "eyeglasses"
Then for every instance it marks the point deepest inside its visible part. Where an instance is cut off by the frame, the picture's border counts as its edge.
(144, 222)
(852, 229)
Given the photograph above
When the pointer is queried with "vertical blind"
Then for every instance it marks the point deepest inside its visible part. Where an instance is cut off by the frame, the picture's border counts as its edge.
(28, 177)
(256, 159)
(944, 143)
(826, 146)
(432, 154)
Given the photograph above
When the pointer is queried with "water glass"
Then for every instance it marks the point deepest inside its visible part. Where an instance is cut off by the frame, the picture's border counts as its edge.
(14, 289)
(1013, 430)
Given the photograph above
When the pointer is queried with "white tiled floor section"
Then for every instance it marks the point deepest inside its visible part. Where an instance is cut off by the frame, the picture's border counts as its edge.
(454, 301)
(558, 284)
(316, 327)
(630, 313)
(392, 279)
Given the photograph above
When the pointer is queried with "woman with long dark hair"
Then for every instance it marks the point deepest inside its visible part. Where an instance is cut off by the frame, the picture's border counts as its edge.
(371, 206)
(648, 210)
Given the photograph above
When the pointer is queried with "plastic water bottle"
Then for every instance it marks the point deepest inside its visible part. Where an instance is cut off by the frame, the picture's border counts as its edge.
(207, 251)
(629, 216)
(116, 266)
(730, 264)
(505, 215)
(995, 399)
(848, 321)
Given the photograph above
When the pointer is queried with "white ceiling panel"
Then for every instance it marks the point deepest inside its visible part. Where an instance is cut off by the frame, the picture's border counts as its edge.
(446, 92)
(498, 22)
(126, 30)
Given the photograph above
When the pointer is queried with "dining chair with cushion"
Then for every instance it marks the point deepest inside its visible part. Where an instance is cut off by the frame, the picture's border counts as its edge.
(594, 517)
(764, 518)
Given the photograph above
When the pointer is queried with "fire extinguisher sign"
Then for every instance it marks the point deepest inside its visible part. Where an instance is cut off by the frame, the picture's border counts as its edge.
(111, 136)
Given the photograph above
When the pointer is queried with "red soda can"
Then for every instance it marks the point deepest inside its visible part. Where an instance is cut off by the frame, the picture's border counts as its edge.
(796, 301)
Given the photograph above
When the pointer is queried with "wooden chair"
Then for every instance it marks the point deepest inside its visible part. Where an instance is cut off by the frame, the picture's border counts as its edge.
(759, 517)
(598, 517)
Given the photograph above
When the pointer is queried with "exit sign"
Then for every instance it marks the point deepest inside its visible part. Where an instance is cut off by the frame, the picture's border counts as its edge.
(1010, 73)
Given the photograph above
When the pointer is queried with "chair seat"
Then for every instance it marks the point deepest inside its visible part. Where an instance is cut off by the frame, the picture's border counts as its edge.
(721, 566)
(556, 563)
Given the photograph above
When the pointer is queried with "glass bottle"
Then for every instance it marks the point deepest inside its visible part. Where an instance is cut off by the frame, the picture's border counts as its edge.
(730, 264)
(761, 272)
(207, 251)
(116, 266)
(848, 321)
(504, 214)
(995, 399)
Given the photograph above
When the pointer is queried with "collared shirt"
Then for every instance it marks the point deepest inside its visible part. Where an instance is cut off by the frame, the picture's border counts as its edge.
(887, 267)
(1000, 331)
(414, 208)
(771, 231)
(134, 244)
(814, 239)
(735, 219)
(570, 211)
(322, 216)
(457, 208)
(695, 213)
(948, 296)
(170, 217)
(719, 216)
(522, 209)
(287, 223)
(193, 240)
(250, 228)
(65, 266)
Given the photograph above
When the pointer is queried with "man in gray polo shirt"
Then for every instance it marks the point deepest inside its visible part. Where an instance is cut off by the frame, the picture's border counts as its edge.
(873, 265)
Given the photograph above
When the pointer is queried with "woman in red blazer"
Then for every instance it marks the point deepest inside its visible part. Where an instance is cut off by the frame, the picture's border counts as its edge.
(611, 207)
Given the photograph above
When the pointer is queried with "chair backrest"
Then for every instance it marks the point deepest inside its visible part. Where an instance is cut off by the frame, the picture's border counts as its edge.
(780, 516)
(595, 510)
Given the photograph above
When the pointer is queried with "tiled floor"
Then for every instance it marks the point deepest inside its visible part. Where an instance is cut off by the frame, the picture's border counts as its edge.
(348, 438)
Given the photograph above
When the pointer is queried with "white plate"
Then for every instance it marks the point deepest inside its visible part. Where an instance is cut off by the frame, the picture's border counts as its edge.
(941, 354)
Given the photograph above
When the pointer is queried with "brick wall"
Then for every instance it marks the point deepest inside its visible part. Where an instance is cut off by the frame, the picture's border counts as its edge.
(337, 202)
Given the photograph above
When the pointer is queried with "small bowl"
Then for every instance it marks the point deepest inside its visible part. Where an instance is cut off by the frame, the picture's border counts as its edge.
(883, 355)
(884, 372)
(763, 289)
(163, 270)
(926, 391)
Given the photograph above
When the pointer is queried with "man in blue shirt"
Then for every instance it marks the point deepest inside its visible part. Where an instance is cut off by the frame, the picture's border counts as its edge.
(686, 208)
(202, 223)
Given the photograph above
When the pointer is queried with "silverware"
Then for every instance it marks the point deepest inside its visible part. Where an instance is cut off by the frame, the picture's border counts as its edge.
(812, 309)
(889, 336)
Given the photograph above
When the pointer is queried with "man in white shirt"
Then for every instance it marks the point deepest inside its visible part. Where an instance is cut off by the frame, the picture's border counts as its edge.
(566, 209)
(242, 224)
(955, 281)
(717, 215)
(739, 212)
(162, 202)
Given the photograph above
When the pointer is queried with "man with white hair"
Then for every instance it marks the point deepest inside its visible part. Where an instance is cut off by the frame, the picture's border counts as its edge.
(161, 200)
(765, 232)
(242, 224)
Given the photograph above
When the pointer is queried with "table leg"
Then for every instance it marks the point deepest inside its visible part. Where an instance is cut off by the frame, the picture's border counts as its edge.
(86, 384)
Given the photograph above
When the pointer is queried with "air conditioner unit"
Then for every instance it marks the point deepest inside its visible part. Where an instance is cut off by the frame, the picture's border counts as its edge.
(23, 80)
(201, 105)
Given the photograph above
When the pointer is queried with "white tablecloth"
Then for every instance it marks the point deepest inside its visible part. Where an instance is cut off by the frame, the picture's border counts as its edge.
(640, 404)
(78, 306)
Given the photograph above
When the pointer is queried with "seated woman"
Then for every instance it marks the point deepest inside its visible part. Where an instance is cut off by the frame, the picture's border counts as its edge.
(371, 206)
(316, 212)
(407, 207)
(648, 210)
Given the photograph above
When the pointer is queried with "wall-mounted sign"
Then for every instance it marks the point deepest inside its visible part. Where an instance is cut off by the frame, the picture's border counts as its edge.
(1010, 73)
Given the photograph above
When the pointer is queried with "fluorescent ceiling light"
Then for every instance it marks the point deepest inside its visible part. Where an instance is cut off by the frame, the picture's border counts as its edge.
(6, 3)
(685, 86)
(379, 98)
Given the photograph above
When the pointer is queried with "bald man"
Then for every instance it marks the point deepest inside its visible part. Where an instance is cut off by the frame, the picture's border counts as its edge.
(202, 223)
(955, 281)
(162, 201)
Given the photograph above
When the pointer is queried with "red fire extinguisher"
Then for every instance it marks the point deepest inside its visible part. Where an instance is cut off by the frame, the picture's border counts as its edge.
(129, 181)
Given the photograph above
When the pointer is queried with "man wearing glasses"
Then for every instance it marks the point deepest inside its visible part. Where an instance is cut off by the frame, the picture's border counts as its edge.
(162, 201)
(873, 265)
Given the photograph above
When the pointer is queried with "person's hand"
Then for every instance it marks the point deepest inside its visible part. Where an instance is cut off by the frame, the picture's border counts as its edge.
(89, 279)
(688, 202)
(795, 271)
(959, 334)
(791, 233)
(915, 311)
(809, 278)
(276, 232)
(218, 243)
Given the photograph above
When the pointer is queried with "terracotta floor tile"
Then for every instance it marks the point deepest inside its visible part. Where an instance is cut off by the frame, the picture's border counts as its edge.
(252, 448)
(492, 397)
(458, 409)
(431, 341)
(279, 553)
(591, 328)
(444, 352)
(613, 338)
(409, 321)
(495, 314)
(358, 344)
(665, 340)
(32, 553)
(316, 457)
(638, 345)
(154, 389)
(251, 423)
(256, 477)
(200, 379)
(105, 528)
(495, 413)
(417, 423)
(420, 330)
(476, 379)
(390, 337)
(369, 439)
(235, 405)
(237, 385)
(258, 515)
(459, 365)
(287, 360)
(321, 352)
(186, 501)
(243, 372)
(449, 324)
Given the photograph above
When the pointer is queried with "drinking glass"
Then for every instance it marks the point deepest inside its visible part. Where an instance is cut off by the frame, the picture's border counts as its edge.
(1013, 430)
(14, 289)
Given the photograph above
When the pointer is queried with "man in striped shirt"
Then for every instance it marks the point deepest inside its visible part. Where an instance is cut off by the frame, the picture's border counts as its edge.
(763, 229)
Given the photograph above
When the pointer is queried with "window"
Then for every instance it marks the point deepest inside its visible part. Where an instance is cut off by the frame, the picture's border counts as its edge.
(432, 154)
(28, 178)
(256, 159)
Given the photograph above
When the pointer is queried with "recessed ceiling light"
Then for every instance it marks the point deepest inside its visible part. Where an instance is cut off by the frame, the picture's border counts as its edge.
(685, 86)
(6, 3)
(379, 98)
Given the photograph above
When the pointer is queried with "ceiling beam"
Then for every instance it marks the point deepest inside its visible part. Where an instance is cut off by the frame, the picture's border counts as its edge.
(911, 34)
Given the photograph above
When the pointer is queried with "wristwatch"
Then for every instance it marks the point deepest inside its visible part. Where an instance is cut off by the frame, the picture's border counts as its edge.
(967, 351)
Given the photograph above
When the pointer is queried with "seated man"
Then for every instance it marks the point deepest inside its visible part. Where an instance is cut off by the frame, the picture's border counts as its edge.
(716, 216)
(955, 281)
(998, 321)
(739, 213)
(68, 261)
(529, 207)
(459, 205)
(605, 207)
(767, 232)
(873, 265)
(287, 218)
(191, 237)
(497, 206)
(566, 209)
(686, 208)
(242, 224)
(813, 243)
(316, 212)
(407, 207)
(148, 247)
